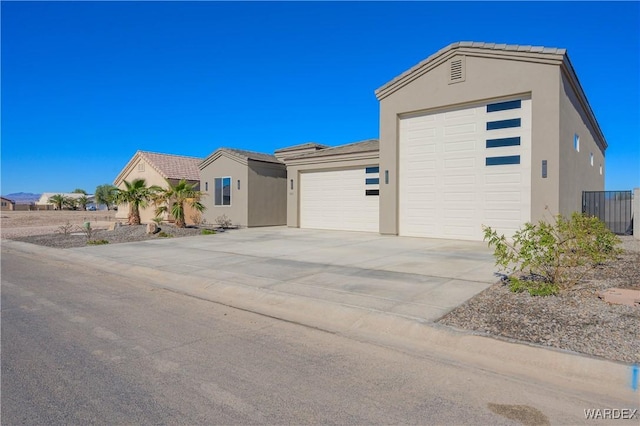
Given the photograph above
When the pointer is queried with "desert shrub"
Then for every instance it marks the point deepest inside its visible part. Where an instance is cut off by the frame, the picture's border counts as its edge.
(157, 220)
(163, 234)
(208, 232)
(97, 242)
(65, 229)
(223, 221)
(86, 229)
(547, 257)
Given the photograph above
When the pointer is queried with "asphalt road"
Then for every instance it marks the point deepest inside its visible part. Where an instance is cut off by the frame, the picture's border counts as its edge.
(86, 347)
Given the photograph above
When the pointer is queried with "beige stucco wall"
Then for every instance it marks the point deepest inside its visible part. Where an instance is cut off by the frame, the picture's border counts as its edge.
(486, 79)
(152, 177)
(576, 172)
(267, 203)
(320, 164)
(237, 170)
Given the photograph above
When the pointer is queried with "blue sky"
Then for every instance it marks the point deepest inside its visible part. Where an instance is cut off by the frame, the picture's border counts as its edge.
(86, 84)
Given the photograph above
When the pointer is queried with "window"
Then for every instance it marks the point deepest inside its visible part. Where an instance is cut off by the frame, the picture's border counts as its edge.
(372, 181)
(222, 196)
(375, 169)
(600, 169)
(544, 169)
(206, 186)
(503, 106)
(503, 124)
(369, 192)
(497, 143)
(591, 159)
(499, 161)
(576, 142)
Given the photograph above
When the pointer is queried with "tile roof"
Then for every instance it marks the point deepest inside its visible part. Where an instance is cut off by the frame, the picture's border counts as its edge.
(302, 146)
(352, 148)
(251, 155)
(173, 166)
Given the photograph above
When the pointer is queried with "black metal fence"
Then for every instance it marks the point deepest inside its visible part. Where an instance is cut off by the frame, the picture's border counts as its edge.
(612, 207)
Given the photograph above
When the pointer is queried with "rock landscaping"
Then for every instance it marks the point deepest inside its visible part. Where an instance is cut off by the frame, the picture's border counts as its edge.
(576, 320)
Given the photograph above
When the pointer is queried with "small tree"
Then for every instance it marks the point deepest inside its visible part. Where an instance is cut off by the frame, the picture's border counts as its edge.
(174, 199)
(545, 258)
(70, 203)
(79, 191)
(137, 195)
(105, 194)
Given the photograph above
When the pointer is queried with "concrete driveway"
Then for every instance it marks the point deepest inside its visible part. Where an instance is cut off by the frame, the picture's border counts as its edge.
(411, 277)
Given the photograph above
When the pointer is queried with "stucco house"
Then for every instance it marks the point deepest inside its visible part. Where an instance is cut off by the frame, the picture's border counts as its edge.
(44, 202)
(476, 134)
(157, 169)
(7, 204)
(247, 187)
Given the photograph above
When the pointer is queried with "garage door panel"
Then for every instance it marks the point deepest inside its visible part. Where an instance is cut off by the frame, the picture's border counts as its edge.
(338, 200)
(444, 179)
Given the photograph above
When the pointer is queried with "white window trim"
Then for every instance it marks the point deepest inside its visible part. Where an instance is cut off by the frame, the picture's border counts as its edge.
(230, 191)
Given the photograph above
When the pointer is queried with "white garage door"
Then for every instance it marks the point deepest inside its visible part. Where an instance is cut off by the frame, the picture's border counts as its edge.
(461, 169)
(340, 199)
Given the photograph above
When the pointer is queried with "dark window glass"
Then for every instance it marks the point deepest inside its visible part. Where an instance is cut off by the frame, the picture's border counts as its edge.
(544, 168)
(373, 169)
(503, 124)
(502, 106)
(222, 196)
(497, 143)
(372, 181)
(499, 161)
(372, 192)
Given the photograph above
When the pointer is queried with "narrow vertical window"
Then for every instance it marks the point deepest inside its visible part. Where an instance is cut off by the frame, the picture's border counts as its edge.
(600, 169)
(576, 142)
(292, 184)
(206, 186)
(238, 184)
(222, 191)
(591, 159)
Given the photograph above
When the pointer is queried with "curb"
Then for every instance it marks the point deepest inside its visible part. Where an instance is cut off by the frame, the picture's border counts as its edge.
(525, 361)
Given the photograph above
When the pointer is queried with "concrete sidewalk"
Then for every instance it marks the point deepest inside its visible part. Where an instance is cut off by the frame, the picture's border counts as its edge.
(413, 277)
(383, 289)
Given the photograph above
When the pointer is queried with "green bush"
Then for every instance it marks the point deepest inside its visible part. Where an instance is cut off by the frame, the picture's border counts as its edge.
(546, 258)
(97, 242)
(208, 232)
(163, 234)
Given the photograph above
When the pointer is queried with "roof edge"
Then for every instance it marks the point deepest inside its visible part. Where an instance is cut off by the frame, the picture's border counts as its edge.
(540, 54)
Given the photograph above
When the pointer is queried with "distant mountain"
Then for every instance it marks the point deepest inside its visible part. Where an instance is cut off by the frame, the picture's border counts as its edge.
(23, 197)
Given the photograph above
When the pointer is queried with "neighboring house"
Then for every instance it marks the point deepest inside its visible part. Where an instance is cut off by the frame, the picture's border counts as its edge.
(335, 188)
(249, 188)
(157, 169)
(45, 204)
(485, 134)
(7, 204)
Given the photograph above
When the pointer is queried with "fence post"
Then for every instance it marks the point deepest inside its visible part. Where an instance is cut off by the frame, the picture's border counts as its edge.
(635, 211)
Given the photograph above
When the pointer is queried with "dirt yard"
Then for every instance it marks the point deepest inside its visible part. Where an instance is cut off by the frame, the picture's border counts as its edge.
(26, 223)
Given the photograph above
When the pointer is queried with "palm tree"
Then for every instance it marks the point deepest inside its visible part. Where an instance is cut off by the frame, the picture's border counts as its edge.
(82, 202)
(58, 200)
(137, 195)
(175, 197)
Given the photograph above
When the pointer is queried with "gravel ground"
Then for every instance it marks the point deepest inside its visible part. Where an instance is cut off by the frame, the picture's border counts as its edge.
(121, 234)
(576, 320)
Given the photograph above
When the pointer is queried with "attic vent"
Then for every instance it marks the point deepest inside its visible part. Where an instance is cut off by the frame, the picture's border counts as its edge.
(141, 167)
(456, 70)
